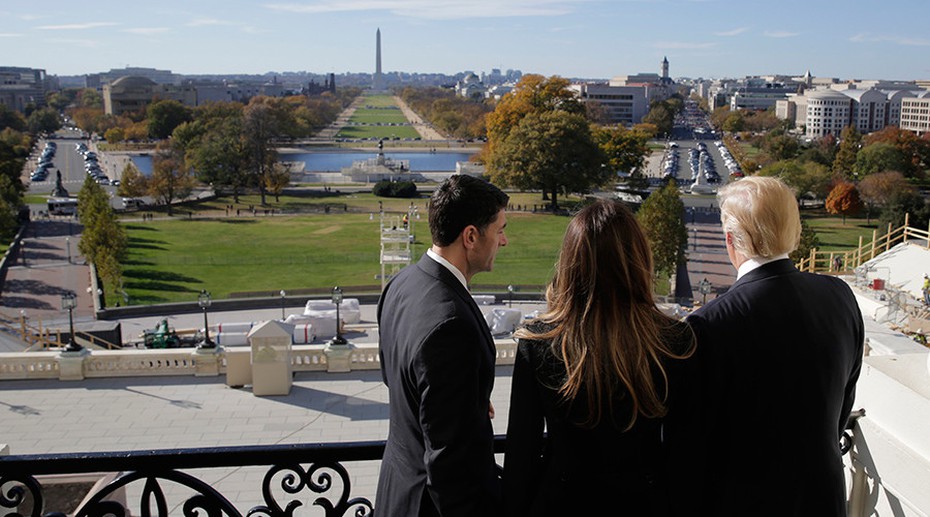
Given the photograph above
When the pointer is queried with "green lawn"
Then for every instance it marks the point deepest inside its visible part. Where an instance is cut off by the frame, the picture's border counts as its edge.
(834, 234)
(378, 101)
(172, 260)
(379, 132)
(378, 116)
(310, 250)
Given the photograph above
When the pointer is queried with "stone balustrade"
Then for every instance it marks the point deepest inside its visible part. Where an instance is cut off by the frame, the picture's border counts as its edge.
(192, 362)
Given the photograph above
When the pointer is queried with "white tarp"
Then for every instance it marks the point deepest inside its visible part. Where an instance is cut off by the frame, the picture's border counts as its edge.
(349, 310)
(503, 321)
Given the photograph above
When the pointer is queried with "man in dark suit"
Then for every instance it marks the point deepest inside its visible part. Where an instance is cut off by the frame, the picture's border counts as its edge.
(780, 354)
(437, 359)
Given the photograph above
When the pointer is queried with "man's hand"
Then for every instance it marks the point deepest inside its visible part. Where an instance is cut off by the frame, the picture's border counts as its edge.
(491, 410)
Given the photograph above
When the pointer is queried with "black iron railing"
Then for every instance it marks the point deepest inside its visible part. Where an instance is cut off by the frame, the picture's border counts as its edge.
(297, 468)
(313, 473)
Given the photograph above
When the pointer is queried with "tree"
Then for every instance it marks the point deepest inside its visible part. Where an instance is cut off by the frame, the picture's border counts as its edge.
(876, 190)
(554, 151)
(164, 116)
(914, 151)
(808, 177)
(845, 161)
(661, 219)
(662, 115)
(11, 119)
(132, 183)
(114, 134)
(879, 157)
(734, 122)
(171, 178)
(781, 147)
(45, 120)
(277, 179)
(906, 202)
(220, 156)
(625, 150)
(844, 200)
(103, 240)
(808, 242)
(534, 94)
(260, 127)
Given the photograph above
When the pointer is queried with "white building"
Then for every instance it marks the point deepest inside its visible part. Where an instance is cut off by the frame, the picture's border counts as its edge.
(827, 111)
(470, 87)
(915, 113)
(625, 105)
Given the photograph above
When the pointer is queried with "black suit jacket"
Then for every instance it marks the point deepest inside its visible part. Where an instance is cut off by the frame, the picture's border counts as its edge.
(781, 352)
(437, 359)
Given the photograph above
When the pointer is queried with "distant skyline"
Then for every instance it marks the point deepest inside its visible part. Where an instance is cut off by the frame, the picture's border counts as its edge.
(855, 39)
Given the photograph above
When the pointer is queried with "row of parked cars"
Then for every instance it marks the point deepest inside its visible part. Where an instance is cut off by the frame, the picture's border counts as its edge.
(91, 165)
(702, 160)
(45, 162)
(732, 166)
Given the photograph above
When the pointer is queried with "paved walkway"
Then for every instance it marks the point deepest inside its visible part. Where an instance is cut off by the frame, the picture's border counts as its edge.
(48, 266)
(426, 130)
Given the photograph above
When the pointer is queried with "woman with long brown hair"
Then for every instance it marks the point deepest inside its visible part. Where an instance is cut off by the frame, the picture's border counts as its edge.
(603, 369)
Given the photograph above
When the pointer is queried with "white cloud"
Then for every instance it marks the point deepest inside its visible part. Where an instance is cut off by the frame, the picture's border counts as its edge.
(899, 40)
(86, 43)
(435, 9)
(734, 32)
(684, 45)
(781, 34)
(204, 22)
(76, 26)
(146, 31)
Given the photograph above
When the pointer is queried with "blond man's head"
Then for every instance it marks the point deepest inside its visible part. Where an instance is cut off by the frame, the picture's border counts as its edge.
(761, 216)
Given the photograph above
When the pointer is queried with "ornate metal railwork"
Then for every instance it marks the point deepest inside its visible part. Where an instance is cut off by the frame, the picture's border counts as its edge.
(297, 473)
(305, 472)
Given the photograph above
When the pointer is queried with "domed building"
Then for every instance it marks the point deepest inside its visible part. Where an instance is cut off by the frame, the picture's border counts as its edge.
(128, 94)
(133, 94)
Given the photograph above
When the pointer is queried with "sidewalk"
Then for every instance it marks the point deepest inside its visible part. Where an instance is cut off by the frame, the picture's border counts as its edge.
(49, 266)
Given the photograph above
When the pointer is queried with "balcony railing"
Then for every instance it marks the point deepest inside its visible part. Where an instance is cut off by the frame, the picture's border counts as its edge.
(297, 474)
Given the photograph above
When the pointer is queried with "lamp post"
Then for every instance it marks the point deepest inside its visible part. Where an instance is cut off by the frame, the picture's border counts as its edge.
(283, 294)
(704, 287)
(510, 289)
(337, 299)
(204, 300)
(68, 246)
(69, 301)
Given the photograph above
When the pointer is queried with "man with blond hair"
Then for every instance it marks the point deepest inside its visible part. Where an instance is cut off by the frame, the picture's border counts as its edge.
(780, 353)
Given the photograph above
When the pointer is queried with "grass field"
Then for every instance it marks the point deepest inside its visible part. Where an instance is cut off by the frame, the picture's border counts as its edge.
(378, 116)
(309, 250)
(375, 115)
(834, 234)
(378, 132)
(172, 260)
(378, 101)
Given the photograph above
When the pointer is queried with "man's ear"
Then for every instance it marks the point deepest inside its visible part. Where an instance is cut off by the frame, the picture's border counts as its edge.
(470, 235)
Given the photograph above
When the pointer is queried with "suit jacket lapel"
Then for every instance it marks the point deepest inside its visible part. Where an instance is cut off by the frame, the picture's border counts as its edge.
(437, 270)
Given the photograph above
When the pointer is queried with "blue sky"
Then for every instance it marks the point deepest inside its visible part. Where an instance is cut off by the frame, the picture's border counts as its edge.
(572, 38)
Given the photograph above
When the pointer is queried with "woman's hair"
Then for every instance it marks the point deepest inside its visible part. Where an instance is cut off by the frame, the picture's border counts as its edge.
(602, 319)
(761, 214)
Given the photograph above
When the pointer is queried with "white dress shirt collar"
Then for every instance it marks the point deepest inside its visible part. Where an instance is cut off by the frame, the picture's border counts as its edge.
(755, 263)
(448, 265)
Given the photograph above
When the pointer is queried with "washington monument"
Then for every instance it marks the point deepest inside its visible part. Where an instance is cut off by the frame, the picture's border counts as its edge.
(377, 82)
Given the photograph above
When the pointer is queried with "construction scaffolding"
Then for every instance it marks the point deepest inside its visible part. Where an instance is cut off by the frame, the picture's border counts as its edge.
(396, 243)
